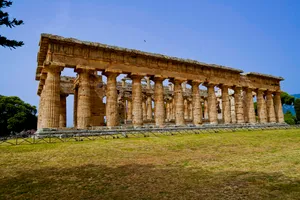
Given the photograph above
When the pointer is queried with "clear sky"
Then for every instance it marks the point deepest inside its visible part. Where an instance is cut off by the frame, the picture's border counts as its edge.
(254, 36)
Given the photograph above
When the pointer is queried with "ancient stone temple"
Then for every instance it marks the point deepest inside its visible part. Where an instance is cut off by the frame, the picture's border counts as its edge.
(153, 89)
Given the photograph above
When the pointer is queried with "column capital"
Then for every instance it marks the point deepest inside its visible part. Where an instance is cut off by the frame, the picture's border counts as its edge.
(158, 78)
(110, 73)
(177, 80)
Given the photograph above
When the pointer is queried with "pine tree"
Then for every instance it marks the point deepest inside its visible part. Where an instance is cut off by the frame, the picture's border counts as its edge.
(297, 109)
(5, 20)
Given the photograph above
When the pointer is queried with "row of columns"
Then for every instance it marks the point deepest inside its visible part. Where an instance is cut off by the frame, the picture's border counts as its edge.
(52, 109)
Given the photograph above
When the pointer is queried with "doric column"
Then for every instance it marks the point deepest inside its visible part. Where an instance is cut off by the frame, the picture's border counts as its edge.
(111, 100)
(75, 105)
(149, 107)
(137, 112)
(196, 103)
(51, 106)
(278, 108)
(159, 101)
(186, 109)
(212, 104)
(226, 115)
(250, 106)
(190, 110)
(121, 109)
(178, 100)
(144, 106)
(129, 109)
(63, 111)
(41, 108)
(84, 108)
(239, 109)
(205, 105)
(261, 106)
(270, 107)
(232, 109)
(173, 106)
(97, 118)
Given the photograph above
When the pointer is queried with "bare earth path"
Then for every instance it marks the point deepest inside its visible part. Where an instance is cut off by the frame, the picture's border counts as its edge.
(236, 165)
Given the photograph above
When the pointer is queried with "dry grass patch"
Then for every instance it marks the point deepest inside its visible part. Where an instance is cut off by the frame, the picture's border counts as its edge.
(239, 165)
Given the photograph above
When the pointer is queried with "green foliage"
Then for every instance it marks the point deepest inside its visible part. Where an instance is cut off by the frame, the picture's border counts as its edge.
(16, 115)
(289, 118)
(287, 99)
(297, 109)
(5, 20)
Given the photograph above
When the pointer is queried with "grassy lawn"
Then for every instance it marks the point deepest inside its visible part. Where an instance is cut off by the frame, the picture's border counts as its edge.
(237, 165)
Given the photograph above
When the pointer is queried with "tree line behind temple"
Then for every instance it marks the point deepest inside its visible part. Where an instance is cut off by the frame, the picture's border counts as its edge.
(17, 116)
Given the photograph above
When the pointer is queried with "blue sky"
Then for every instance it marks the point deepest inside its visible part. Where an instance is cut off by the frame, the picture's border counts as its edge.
(258, 36)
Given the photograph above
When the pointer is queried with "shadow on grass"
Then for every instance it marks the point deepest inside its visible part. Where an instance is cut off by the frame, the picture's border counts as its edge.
(146, 182)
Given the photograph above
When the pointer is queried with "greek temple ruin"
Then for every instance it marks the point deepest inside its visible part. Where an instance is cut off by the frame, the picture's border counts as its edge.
(152, 89)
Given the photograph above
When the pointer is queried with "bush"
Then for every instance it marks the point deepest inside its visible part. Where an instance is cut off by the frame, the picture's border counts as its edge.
(289, 118)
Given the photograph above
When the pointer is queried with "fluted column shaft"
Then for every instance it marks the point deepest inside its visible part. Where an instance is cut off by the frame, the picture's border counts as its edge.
(63, 111)
(41, 108)
(205, 108)
(97, 118)
(75, 107)
(84, 100)
(261, 107)
(278, 108)
(167, 111)
(137, 112)
(186, 109)
(144, 110)
(270, 108)
(212, 104)
(50, 118)
(112, 118)
(159, 102)
(239, 109)
(226, 114)
(129, 109)
(149, 108)
(178, 100)
(250, 105)
(190, 110)
(196, 103)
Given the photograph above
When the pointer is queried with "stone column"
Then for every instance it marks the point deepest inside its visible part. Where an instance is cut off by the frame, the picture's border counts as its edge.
(190, 110)
(51, 106)
(137, 112)
(144, 110)
(173, 107)
(250, 106)
(111, 100)
(212, 104)
(205, 108)
(278, 108)
(261, 107)
(196, 103)
(159, 101)
(97, 118)
(232, 109)
(40, 114)
(270, 107)
(167, 111)
(186, 109)
(75, 107)
(239, 109)
(84, 112)
(178, 100)
(63, 111)
(149, 107)
(129, 109)
(121, 109)
(226, 114)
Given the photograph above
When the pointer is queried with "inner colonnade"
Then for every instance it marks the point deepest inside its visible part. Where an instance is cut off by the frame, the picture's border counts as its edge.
(143, 97)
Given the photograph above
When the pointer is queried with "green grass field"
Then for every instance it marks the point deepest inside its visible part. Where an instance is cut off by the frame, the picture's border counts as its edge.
(236, 165)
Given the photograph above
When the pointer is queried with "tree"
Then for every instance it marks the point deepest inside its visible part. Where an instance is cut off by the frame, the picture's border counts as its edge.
(297, 109)
(5, 20)
(16, 115)
(289, 118)
(287, 99)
